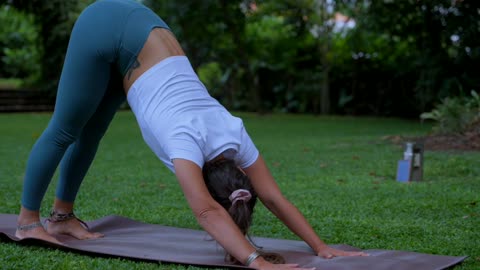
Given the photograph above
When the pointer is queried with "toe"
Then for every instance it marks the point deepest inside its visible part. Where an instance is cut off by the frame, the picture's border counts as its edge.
(92, 235)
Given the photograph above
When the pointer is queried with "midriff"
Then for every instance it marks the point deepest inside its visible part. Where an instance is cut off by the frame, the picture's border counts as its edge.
(161, 43)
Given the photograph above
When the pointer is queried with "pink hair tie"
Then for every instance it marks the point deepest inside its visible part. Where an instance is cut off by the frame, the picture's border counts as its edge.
(240, 195)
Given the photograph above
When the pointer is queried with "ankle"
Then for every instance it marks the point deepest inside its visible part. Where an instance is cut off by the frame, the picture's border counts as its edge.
(27, 221)
(28, 216)
(61, 217)
(62, 207)
(29, 226)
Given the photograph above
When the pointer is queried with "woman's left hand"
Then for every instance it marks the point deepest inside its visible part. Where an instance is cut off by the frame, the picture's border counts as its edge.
(328, 253)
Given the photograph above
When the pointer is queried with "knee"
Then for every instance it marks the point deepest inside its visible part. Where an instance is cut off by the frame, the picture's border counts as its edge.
(91, 137)
(60, 136)
(95, 129)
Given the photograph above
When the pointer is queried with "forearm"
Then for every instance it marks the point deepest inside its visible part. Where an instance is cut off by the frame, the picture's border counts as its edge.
(296, 222)
(212, 216)
(270, 194)
(219, 225)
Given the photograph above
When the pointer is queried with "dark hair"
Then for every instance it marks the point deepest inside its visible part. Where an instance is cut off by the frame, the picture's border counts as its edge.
(223, 177)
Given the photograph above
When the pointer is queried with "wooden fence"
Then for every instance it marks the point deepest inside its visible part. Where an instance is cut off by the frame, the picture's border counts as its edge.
(26, 101)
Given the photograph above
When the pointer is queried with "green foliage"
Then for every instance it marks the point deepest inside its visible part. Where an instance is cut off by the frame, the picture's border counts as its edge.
(11, 83)
(19, 55)
(399, 59)
(455, 114)
(304, 92)
(428, 66)
(336, 170)
(211, 75)
(54, 20)
(269, 41)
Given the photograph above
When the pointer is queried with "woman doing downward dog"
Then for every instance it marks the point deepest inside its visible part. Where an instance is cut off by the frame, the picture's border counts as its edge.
(118, 50)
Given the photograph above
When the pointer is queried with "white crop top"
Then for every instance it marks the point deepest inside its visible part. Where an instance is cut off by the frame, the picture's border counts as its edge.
(179, 119)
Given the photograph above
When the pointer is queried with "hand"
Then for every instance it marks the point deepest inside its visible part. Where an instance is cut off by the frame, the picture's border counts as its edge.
(328, 253)
(284, 267)
(261, 264)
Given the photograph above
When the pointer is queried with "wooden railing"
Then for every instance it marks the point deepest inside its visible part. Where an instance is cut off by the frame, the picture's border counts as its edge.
(26, 101)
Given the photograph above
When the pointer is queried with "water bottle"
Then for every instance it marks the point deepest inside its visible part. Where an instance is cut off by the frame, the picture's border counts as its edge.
(408, 154)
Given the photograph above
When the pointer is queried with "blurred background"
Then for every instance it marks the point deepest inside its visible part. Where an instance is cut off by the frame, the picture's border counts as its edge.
(397, 58)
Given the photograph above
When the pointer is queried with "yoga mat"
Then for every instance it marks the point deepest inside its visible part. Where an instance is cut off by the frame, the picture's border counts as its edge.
(128, 238)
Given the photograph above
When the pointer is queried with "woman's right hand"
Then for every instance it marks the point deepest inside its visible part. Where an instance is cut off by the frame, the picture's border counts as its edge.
(285, 267)
(264, 265)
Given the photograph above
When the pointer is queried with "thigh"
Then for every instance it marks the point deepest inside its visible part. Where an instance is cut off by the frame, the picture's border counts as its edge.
(85, 77)
(108, 106)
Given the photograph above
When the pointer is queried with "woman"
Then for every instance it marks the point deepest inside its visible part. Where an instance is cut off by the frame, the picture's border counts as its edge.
(121, 41)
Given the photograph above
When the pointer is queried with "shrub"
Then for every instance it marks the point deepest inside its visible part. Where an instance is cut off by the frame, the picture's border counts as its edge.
(19, 54)
(455, 114)
(211, 75)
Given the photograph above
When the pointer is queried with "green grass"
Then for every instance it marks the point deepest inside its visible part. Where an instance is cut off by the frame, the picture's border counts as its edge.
(337, 170)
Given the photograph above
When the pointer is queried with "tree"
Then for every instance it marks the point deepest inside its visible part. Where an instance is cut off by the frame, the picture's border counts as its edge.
(442, 50)
(19, 54)
(54, 19)
(218, 37)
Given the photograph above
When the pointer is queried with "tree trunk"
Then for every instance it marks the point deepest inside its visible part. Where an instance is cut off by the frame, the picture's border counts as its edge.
(250, 77)
(325, 93)
(324, 16)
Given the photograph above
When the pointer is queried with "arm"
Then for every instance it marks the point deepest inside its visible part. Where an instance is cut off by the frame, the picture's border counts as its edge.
(214, 219)
(271, 196)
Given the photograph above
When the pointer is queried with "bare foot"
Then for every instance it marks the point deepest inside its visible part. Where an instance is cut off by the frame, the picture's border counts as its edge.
(37, 233)
(71, 227)
(30, 227)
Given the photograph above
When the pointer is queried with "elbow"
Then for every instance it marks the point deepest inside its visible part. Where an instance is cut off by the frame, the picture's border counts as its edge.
(204, 215)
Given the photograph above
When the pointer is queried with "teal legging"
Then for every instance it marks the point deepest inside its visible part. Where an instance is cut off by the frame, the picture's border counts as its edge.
(104, 43)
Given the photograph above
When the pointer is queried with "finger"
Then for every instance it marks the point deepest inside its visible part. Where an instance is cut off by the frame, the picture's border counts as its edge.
(295, 266)
(287, 266)
(359, 253)
(313, 268)
(327, 255)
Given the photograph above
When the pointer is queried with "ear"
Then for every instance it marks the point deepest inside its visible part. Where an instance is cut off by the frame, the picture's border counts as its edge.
(240, 169)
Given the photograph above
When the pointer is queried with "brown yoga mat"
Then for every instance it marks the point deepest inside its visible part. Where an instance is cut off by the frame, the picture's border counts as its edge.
(131, 239)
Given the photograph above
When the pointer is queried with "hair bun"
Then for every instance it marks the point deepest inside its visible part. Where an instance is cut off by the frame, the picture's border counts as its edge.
(240, 195)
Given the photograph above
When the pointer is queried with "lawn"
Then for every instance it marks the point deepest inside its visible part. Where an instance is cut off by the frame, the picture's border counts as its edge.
(339, 171)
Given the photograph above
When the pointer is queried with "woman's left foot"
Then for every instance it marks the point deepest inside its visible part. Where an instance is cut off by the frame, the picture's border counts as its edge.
(71, 226)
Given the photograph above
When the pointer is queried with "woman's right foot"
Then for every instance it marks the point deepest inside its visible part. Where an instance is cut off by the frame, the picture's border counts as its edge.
(37, 232)
(71, 227)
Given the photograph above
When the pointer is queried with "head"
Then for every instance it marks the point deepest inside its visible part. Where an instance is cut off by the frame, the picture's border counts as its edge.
(231, 188)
